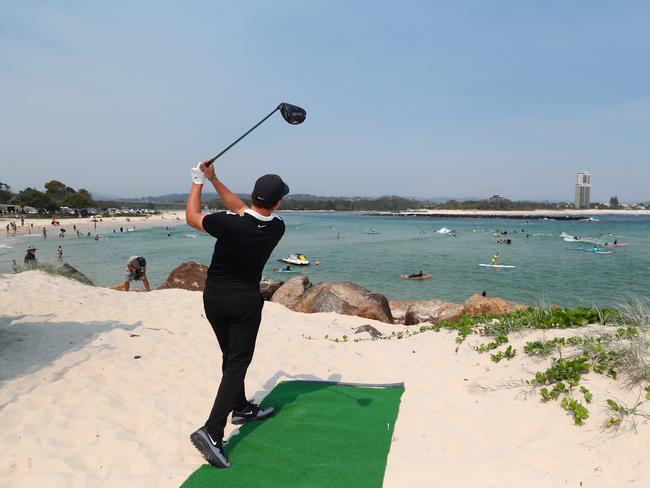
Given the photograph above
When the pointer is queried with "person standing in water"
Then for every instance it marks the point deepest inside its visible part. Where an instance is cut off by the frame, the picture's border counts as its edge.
(231, 299)
(59, 253)
(30, 257)
(495, 259)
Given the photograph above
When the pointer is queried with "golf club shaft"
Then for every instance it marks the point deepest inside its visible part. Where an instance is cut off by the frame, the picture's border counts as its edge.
(210, 161)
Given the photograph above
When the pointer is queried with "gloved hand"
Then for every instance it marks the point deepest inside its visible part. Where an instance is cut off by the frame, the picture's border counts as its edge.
(198, 177)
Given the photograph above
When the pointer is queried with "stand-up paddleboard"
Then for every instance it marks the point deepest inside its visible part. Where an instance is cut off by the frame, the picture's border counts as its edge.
(602, 252)
(423, 277)
(286, 270)
(497, 265)
(615, 245)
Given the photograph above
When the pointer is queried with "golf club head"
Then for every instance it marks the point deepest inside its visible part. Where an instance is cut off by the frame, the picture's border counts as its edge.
(292, 114)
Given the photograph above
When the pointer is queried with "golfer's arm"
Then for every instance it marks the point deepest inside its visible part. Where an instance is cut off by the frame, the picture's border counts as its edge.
(231, 201)
(193, 215)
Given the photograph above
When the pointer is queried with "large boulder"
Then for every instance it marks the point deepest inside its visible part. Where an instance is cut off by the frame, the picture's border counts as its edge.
(345, 298)
(290, 294)
(72, 272)
(478, 304)
(268, 286)
(398, 308)
(432, 311)
(188, 276)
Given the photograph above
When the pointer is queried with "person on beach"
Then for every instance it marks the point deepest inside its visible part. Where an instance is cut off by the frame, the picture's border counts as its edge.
(30, 257)
(232, 300)
(44, 233)
(136, 270)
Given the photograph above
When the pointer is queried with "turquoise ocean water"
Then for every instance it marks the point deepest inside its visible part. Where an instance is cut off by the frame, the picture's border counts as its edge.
(546, 269)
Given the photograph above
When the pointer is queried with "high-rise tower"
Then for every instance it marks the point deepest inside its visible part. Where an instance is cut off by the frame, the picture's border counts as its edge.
(583, 188)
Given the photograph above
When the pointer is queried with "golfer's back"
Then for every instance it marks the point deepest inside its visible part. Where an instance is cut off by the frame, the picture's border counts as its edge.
(244, 244)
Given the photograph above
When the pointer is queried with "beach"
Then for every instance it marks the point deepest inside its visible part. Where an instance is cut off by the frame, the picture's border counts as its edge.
(103, 388)
(86, 224)
(568, 214)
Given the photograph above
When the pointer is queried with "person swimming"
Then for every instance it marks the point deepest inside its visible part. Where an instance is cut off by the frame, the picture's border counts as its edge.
(417, 275)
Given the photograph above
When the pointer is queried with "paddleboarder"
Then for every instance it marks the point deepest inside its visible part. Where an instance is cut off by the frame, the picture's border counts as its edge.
(232, 300)
(495, 259)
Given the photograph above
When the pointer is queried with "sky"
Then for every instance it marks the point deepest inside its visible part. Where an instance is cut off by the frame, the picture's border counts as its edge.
(409, 98)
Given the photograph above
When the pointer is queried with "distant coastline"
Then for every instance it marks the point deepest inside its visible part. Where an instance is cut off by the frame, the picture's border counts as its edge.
(586, 214)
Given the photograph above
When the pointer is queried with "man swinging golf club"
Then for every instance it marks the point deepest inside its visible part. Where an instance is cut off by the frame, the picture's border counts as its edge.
(232, 300)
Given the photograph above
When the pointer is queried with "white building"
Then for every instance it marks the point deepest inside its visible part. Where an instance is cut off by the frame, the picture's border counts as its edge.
(583, 189)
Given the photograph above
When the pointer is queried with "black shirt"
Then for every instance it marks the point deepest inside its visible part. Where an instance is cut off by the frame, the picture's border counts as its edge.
(244, 244)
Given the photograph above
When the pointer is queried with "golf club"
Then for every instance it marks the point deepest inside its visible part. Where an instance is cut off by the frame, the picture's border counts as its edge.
(291, 113)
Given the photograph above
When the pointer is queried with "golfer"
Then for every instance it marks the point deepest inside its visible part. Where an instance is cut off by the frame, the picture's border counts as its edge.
(232, 300)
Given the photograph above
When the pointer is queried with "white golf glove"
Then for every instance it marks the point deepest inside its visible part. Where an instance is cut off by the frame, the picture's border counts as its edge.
(198, 177)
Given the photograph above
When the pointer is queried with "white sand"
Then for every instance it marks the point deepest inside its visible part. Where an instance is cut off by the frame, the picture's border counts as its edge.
(107, 224)
(77, 410)
(540, 213)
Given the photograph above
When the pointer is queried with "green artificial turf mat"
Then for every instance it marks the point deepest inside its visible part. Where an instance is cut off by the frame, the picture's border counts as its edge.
(323, 435)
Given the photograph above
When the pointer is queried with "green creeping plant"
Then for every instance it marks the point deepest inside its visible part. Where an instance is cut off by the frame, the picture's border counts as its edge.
(554, 393)
(617, 407)
(580, 412)
(587, 394)
(570, 370)
(508, 354)
(498, 340)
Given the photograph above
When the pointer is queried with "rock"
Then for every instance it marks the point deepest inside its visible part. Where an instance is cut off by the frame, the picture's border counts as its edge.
(374, 333)
(188, 276)
(345, 298)
(432, 311)
(398, 308)
(291, 293)
(73, 273)
(477, 305)
(191, 276)
(268, 286)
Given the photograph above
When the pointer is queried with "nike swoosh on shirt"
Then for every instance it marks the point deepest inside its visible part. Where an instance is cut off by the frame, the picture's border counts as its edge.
(260, 226)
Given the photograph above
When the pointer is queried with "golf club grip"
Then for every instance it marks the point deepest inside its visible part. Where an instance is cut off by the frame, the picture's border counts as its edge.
(210, 161)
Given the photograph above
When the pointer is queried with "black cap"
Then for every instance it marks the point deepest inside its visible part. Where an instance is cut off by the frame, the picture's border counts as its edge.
(270, 188)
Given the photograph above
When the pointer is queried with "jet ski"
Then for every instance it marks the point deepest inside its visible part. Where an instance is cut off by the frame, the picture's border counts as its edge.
(296, 259)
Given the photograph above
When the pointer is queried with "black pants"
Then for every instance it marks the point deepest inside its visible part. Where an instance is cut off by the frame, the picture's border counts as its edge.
(234, 311)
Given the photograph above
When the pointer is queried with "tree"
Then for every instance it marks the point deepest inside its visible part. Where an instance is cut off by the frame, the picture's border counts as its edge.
(56, 190)
(87, 194)
(78, 200)
(31, 197)
(5, 193)
(613, 202)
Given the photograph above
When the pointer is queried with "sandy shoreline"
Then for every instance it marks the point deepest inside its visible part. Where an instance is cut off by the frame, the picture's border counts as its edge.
(78, 410)
(85, 225)
(518, 214)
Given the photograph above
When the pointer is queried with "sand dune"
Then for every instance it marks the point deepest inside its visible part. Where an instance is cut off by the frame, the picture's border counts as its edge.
(78, 410)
